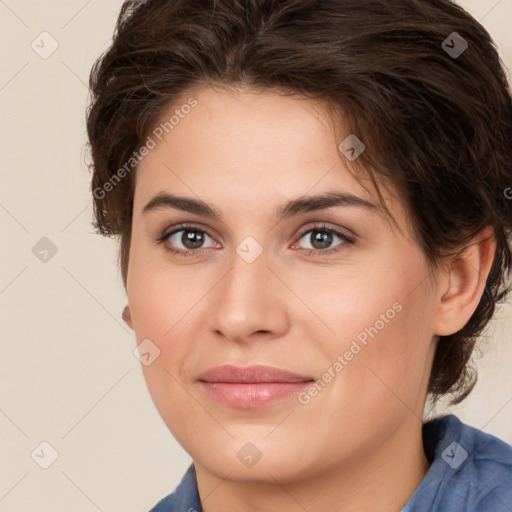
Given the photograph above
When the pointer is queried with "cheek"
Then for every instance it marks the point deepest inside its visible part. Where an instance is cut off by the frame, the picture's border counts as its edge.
(354, 304)
(392, 368)
(164, 302)
(378, 323)
(160, 294)
(156, 308)
(160, 316)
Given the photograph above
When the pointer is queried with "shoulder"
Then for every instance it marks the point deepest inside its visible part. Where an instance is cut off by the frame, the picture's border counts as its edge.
(185, 498)
(490, 469)
(165, 504)
(474, 468)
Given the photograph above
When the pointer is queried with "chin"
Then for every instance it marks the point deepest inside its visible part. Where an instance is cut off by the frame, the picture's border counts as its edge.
(260, 460)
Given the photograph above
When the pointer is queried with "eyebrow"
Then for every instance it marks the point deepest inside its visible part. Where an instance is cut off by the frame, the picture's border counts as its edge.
(304, 204)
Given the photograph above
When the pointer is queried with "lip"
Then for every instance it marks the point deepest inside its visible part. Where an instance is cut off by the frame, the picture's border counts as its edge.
(251, 386)
(251, 374)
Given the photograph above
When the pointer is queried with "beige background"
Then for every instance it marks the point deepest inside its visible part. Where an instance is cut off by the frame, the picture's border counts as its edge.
(68, 374)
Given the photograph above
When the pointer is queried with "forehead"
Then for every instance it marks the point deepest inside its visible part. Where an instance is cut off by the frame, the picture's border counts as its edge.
(243, 130)
(246, 148)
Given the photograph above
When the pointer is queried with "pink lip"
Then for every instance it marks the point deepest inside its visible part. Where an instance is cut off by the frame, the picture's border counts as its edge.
(251, 386)
(250, 374)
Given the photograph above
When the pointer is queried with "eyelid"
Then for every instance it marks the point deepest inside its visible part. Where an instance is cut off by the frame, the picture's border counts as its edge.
(182, 253)
(348, 238)
(323, 226)
(183, 227)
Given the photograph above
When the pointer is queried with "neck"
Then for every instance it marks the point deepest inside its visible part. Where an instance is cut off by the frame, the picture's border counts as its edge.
(385, 480)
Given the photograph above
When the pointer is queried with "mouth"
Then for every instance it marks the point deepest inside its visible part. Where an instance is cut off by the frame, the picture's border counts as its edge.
(251, 386)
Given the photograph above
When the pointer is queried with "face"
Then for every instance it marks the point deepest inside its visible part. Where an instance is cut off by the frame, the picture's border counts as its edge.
(329, 291)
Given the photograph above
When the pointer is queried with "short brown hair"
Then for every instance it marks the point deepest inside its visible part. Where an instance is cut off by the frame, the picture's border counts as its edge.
(437, 125)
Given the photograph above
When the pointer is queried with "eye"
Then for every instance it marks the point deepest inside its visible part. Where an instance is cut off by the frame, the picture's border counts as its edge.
(184, 240)
(321, 240)
(190, 240)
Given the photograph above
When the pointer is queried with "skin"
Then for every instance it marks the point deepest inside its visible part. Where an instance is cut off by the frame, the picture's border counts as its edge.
(357, 444)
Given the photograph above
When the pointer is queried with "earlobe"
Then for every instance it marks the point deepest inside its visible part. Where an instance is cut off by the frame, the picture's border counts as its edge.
(464, 283)
(127, 317)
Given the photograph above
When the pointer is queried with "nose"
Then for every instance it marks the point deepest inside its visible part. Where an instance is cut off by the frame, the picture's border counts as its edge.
(249, 302)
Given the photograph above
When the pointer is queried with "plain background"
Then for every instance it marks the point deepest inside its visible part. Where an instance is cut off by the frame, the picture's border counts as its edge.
(68, 373)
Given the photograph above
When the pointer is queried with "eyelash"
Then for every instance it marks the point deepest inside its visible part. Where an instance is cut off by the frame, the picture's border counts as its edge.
(309, 252)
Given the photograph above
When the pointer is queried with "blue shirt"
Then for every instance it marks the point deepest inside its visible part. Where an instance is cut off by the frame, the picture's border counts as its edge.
(471, 471)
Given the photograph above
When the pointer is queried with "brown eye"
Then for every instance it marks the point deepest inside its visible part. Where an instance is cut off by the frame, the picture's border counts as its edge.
(189, 239)
(322, 239)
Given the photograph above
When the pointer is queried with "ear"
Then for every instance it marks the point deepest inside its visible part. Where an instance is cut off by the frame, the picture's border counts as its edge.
(463, 283)
(127, 317)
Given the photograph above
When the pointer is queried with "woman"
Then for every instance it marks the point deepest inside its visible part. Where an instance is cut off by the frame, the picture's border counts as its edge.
(311, 199)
